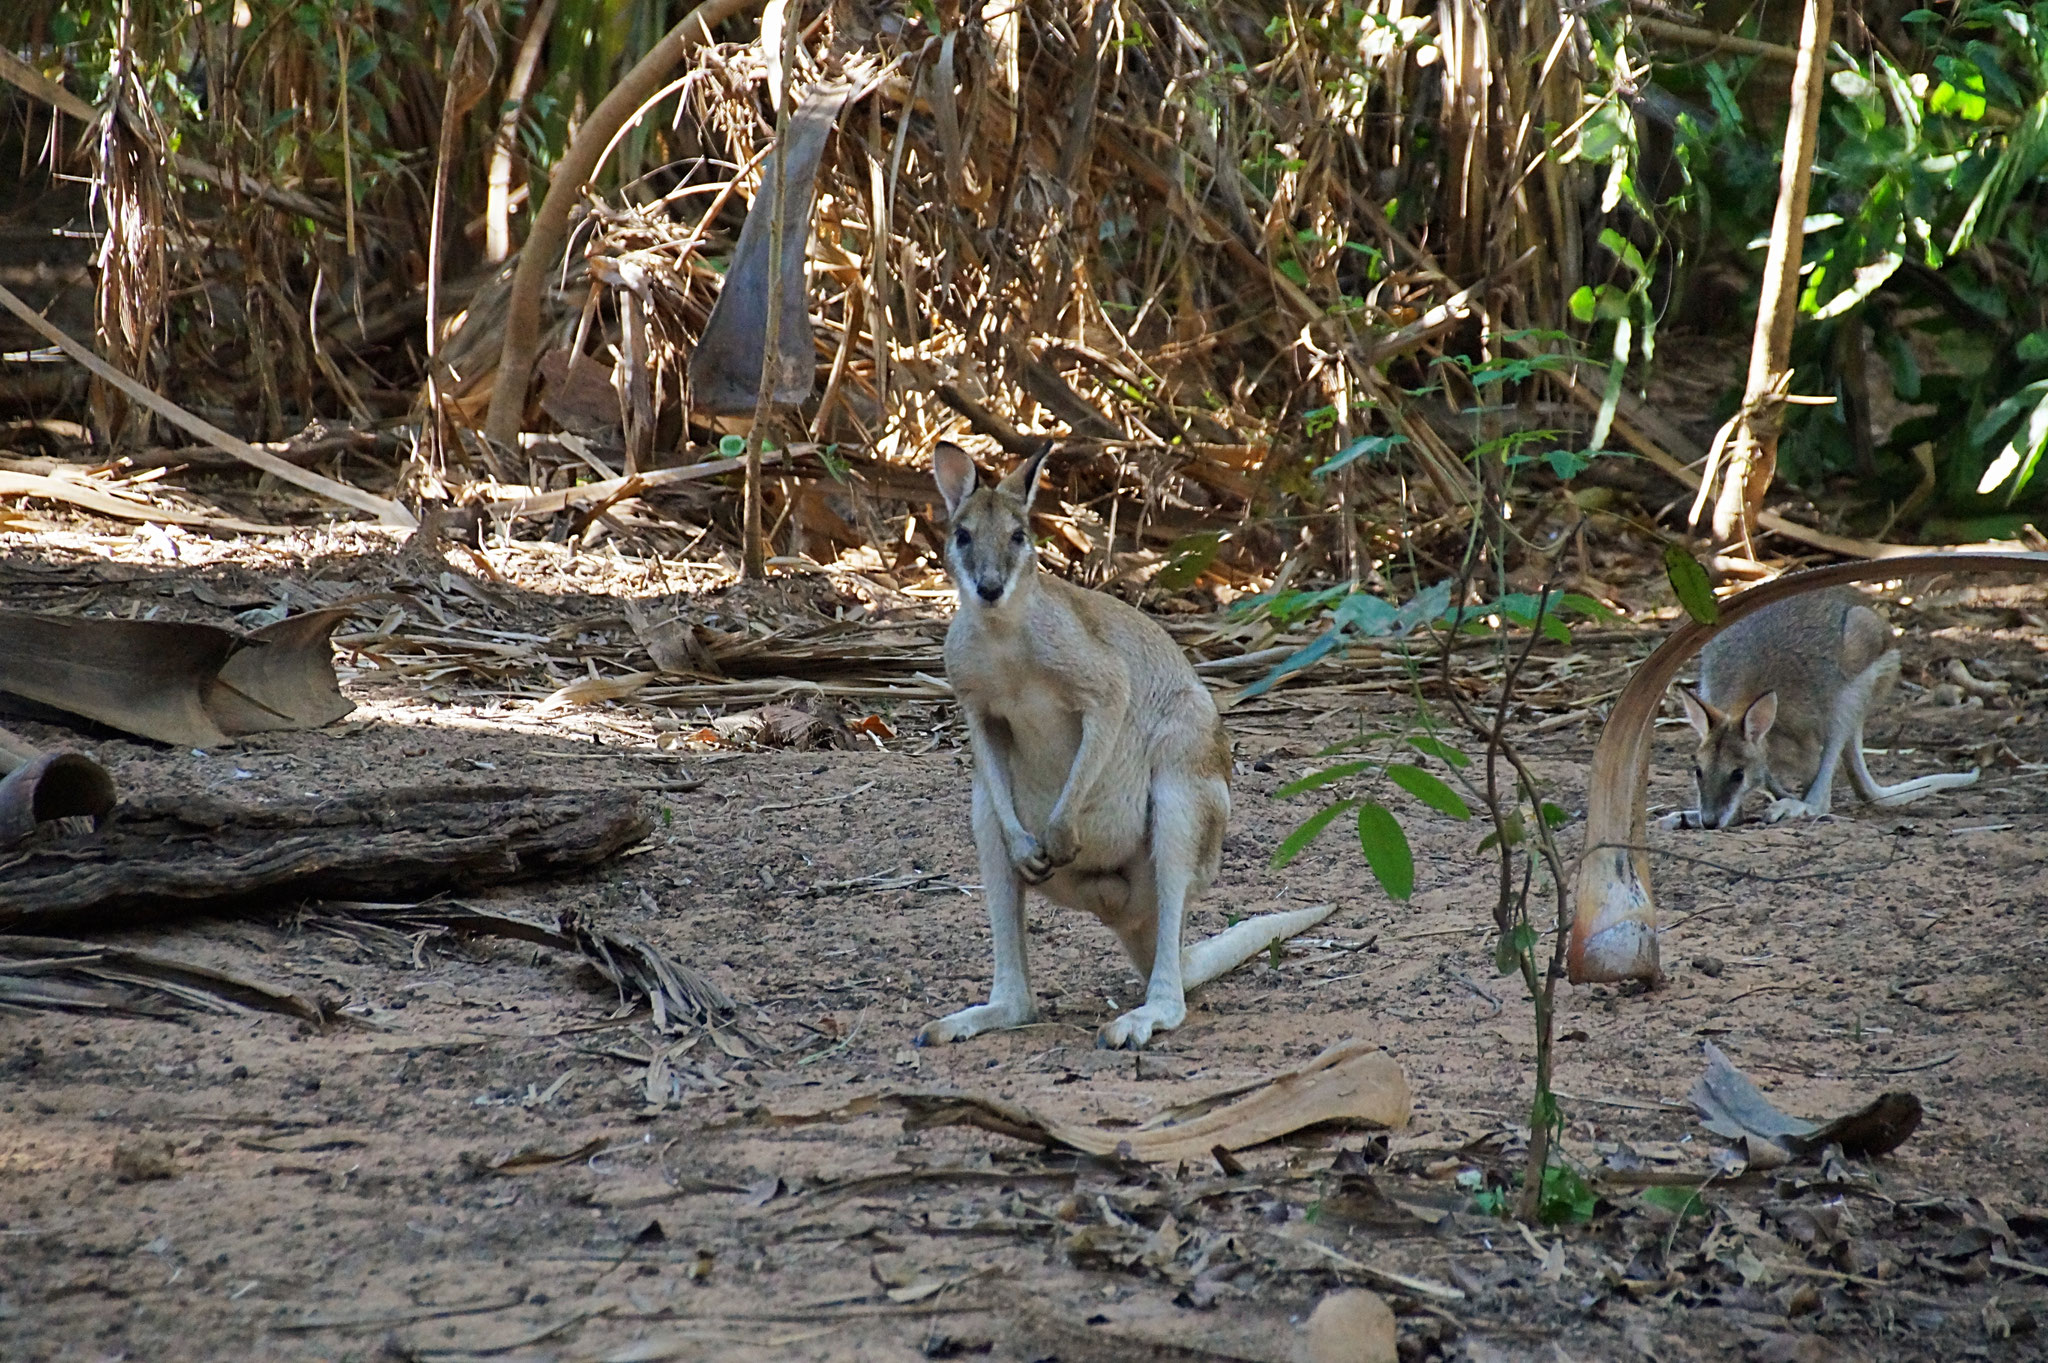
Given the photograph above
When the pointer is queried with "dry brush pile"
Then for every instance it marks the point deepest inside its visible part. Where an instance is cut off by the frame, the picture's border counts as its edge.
(1208, 247)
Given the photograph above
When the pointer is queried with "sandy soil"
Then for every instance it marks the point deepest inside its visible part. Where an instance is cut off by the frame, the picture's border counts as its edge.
(331, 1195)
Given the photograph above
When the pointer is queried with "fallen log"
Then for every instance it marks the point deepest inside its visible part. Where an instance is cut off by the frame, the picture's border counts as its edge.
(177, 854)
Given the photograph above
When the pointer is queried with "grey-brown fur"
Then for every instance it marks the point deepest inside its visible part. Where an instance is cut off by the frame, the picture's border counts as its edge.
(1781, 704)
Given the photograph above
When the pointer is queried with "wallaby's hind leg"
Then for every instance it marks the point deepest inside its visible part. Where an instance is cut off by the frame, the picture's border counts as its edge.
(1009, 1002)
(1844, 734)
(1905, 792)
(1185, 840)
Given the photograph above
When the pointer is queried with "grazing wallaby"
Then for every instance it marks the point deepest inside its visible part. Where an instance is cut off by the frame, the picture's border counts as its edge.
(1783, 695)
(1101, 767)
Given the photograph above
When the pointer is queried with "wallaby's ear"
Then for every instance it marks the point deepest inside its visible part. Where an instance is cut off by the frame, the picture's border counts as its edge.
(1697, 712)
(1023, 480)
(954, 473)
(1758, 718)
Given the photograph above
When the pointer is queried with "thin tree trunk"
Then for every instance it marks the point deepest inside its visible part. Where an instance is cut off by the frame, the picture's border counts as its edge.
(469, 75)
(1753, 456)
(498, 208)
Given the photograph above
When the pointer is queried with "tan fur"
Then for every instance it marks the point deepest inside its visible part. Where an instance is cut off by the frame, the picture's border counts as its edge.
(1101, 766)
(1782, 700)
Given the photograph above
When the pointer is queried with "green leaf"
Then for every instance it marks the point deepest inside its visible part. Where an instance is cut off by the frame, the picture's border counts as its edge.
(1305, 656)
(1585, 605)
(1516, 943)
(1431, 604)
(1368, 447)
(1689, 581)
(1365, 613)
(1554, 816)
(1317, 780)
(1964, 104)
(1511, 830)
(1624, 250)
(1307, 833)
(1386, 849)
(1429, 790)
(732, 446)
(1680, 1202)
(1567, 1198)
(1190, 558)
(1583, 303)
(1440, 750)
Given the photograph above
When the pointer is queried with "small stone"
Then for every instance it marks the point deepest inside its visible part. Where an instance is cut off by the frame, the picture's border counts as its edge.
(1352, 1327)
(1710, 966)
(142, 1160)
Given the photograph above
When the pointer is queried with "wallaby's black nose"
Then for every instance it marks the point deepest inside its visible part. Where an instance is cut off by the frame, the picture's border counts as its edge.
(991, 592)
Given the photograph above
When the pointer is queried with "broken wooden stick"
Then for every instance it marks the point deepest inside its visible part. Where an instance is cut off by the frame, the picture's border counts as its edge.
(42, 786)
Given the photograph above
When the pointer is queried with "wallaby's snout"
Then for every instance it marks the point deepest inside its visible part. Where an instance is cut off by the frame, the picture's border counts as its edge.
(989, 550)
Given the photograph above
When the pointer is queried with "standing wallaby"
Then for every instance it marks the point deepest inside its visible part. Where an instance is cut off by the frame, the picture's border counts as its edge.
(1783, 695)
(1101, 767)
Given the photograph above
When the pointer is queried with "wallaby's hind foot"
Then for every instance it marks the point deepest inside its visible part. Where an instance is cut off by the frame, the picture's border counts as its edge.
(1134, 1029)
(982, 1017)
(1204, 961)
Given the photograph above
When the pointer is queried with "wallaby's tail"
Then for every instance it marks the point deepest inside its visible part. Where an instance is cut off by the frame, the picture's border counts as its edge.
(1238, 943)
(1904, 792)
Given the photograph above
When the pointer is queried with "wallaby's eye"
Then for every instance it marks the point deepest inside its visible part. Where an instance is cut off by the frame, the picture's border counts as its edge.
(962, 538)
(1735, 777)
(1017, 537)
(1698, 772)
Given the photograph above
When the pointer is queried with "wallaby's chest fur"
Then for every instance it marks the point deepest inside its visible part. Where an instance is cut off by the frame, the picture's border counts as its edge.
(1032, 670)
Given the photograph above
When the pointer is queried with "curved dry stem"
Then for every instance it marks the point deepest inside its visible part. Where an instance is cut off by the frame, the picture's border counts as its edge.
(565, 187)
(1614, 928)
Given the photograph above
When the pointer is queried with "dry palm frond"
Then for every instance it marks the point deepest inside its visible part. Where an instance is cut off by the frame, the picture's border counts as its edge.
(133, 277)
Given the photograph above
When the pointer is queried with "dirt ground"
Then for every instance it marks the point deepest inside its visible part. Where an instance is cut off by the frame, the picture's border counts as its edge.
(331, 1195)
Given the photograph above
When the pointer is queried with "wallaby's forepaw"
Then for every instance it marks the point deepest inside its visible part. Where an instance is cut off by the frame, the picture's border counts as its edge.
(983, 1017)
(1037, 861)
(1061, 844)
(1131, 1031)
(1680, 818)
(1788, 808)
(1028, 856)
